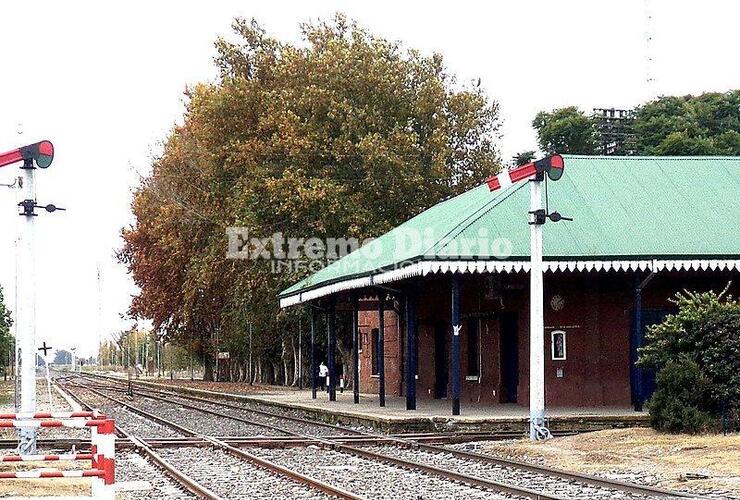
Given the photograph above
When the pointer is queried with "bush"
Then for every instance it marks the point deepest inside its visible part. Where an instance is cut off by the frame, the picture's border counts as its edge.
(696, 354)
(681, 390)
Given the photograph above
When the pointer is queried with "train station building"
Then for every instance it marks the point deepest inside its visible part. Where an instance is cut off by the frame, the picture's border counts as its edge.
(643, 229)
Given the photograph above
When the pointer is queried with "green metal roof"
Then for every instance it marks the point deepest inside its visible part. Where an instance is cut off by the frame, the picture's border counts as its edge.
(623, 207)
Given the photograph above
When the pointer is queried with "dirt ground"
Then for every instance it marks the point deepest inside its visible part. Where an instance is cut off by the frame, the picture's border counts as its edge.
(229, 387)
(639, 455)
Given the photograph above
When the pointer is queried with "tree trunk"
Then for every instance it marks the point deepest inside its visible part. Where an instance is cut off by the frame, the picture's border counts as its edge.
(284, 358)
(207, 368)
(295, 362)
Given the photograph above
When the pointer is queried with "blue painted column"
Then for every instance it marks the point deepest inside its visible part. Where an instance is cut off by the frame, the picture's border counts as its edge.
(456, 328)
(314, 375)
(381, 348)
(637, 341)
(411, 349)
(355, 350)
(331, 326)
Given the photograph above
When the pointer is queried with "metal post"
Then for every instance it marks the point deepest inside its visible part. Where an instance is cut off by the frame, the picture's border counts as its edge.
(250, 353)
(300, 353)
(411, 350)
(537, 429)
(637, 334)
(637, 340)
(313, 354)
(381, 348)
(129, 389)
(26, 314)
(355, 351)
(456, 327)
(331, 325)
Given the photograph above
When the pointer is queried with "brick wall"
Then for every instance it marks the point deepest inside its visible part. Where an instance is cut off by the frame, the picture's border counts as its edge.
(594, 309)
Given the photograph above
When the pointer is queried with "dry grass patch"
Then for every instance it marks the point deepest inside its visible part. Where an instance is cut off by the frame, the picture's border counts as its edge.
(638, 452)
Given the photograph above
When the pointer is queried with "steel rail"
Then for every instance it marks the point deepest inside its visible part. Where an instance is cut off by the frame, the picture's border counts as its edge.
(260, 462)
(366, 454)
(186, 481)
(480, 457)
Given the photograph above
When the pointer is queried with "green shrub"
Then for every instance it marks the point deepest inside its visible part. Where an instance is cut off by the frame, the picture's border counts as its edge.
(696, 355)
(681, 390)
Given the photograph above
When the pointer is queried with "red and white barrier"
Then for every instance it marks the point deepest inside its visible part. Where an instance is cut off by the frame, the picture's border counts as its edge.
(102, 453)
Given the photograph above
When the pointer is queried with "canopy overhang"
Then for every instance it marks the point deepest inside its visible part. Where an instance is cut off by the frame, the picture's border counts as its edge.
(426, 268)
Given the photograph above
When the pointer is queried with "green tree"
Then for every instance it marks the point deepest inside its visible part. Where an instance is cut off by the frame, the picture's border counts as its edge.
(706, 332)
(707, 124)
(565, 130)
(344, 135)
(6, 339)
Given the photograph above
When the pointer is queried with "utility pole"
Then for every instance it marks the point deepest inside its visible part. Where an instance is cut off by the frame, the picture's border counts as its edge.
(46, 350)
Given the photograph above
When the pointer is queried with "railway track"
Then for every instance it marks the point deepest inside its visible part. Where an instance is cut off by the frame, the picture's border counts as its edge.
(258, 471)
(353, 445)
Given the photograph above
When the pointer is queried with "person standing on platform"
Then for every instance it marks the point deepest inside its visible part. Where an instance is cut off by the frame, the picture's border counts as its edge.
(323, 373)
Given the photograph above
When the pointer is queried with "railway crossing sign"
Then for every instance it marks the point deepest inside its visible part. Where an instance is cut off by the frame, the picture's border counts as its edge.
(45, 348)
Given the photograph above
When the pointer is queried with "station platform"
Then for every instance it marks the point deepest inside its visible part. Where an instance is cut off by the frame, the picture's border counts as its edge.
(431, 415)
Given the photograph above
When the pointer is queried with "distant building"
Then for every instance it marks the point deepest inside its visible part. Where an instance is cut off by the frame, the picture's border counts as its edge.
(614, 131)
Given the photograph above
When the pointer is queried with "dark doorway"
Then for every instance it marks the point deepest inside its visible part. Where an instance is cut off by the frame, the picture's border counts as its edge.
(440, 360)
(509, 342)
(650, 317)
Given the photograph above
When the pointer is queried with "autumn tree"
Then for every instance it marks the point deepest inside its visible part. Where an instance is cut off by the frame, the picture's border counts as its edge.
(344, 135)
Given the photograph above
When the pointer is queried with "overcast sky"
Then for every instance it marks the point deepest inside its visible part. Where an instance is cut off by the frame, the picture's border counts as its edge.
(105, 83)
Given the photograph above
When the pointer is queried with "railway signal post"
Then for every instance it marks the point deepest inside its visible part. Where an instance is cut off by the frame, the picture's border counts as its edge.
(40, 154)
(535, 172)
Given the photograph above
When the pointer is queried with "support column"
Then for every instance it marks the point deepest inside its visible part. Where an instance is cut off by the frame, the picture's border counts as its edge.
(331, 325)
(300, 353)
(456, 328)
(313, 354)
(355, 350)
(26, 314)
(411, 349)
(637, 343)
(537, 429)
(638, 338)
(381, 348)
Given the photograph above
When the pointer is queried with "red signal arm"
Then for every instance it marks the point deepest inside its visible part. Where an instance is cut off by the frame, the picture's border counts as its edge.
(548, 165)
(10, 157)
(42, 152)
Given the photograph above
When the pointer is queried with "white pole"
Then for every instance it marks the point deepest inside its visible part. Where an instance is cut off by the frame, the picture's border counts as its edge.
(537, 428)
(48, 382)
(27, 314)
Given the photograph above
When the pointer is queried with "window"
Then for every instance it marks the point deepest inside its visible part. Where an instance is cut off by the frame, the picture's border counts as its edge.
(473, 348)
(558, 345)
(375, 336)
